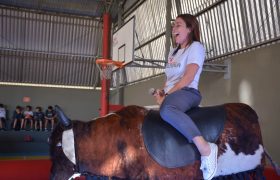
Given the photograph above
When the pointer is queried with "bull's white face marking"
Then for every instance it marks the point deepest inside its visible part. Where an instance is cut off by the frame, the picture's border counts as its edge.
(230, 163)
(68, 145)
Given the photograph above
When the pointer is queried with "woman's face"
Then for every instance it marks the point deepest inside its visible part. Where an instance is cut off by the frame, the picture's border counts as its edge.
(181, 32)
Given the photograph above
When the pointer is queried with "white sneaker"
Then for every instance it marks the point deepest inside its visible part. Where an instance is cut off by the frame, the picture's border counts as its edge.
(209, 163)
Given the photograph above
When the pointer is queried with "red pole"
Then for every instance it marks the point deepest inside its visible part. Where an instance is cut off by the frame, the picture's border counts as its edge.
(105, 53)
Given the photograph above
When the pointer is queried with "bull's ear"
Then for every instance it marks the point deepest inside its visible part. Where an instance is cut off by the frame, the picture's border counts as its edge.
(63, 119)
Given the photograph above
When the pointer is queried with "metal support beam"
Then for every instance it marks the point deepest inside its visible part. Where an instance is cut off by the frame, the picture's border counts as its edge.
(219, 68)
(119, 89)
(207, 67)
(147, 63)
(178, 6)
(244, 23)
(105, 53)
(168, 29)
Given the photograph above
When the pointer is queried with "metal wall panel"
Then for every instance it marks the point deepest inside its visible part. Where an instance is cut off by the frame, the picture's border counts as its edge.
(150, 20)
(48, 49)
(149, 23)
(77, 7)
(227, 27)
(59, 49)
(234, 25)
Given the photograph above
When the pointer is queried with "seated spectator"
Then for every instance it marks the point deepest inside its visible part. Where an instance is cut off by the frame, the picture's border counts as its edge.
(28, 116)
(18, 116)
(38, 117)
(2, 117)
(49, 116)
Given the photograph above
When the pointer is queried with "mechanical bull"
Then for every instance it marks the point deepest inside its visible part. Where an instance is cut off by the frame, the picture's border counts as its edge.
(135, 143)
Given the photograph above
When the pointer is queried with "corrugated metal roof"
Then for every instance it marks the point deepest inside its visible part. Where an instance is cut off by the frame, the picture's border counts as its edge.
(48, 49)
(93, 8)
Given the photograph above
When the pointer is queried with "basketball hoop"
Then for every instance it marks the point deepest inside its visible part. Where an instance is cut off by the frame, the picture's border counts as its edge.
(106, 66)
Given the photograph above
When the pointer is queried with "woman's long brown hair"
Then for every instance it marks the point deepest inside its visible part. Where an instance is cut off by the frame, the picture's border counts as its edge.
(193, 25)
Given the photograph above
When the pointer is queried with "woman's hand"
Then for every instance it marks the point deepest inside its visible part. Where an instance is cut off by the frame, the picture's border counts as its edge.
(159, 96)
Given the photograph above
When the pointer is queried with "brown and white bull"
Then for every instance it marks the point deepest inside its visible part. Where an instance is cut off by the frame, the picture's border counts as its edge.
(113, 147)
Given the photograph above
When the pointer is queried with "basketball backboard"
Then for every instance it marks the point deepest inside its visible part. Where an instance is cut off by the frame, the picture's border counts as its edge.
(123, 42)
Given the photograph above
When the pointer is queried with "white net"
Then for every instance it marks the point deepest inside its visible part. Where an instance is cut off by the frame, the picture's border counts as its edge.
(105, 70)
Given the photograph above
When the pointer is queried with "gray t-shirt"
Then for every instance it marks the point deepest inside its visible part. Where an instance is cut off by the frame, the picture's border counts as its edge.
(176, 66)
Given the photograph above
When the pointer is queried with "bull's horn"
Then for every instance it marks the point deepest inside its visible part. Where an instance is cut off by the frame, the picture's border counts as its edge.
(62, 117)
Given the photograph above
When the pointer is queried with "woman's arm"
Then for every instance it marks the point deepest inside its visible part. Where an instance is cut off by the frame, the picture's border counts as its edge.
(160, 94)
(188, 77)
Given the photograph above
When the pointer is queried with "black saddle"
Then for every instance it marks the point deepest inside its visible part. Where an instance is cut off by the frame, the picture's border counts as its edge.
(169, 147)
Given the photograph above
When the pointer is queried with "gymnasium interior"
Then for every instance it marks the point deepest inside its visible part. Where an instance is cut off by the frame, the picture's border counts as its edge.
(49, 52)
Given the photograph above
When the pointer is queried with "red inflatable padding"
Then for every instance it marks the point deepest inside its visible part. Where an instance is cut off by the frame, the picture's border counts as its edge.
(25, 169)
(270, 174)
(40, 169)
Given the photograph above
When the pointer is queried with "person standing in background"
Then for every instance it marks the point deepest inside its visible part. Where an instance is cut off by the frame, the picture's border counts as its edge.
(2, 117)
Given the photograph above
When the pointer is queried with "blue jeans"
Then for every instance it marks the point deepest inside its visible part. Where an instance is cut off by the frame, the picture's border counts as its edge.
(174, 106)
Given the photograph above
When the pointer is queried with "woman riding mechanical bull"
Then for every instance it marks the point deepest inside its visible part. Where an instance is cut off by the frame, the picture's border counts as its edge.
(181, 141)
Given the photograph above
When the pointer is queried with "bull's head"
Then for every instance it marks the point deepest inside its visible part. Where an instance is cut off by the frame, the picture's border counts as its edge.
(62, 165)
